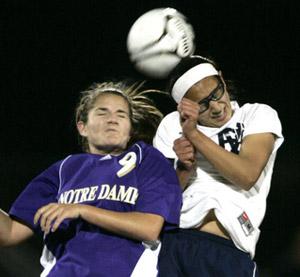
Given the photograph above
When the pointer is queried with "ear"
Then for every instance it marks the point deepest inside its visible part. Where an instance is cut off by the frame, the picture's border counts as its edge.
(81, 128)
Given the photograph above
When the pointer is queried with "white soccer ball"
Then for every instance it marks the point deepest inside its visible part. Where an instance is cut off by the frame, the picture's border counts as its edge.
(158, 40)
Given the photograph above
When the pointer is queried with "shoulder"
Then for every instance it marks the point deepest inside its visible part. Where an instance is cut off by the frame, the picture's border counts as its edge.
(75, 160)
(253, 108)
(255, 113)
(149, 153)
(259, 118)
(171, 117)
(169, 127)
(146, 150)
(75, 157)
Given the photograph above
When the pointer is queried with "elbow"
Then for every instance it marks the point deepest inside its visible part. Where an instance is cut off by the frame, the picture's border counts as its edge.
(151, 227)
(247, 186)
(152, 234)
(153, 230)
(247, 182)
(4, 241)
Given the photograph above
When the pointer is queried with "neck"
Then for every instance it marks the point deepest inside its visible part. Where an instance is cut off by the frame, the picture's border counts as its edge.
(113, 150)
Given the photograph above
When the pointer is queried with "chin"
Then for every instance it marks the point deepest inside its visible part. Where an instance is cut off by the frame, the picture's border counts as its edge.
(117, 144)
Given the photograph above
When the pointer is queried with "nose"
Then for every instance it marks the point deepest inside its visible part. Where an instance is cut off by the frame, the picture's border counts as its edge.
(112, 118)
(215, 107)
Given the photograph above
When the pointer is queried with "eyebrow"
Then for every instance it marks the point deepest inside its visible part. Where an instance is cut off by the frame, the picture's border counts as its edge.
(213, 91)
(103, 109)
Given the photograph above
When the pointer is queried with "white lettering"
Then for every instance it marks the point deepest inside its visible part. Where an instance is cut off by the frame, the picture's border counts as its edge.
(83, 192)
(112, 194)
(128, 162)
(92, 194)
(115, 192)
(77, 194)
(67, 197)
(104, 191)
(129, 196)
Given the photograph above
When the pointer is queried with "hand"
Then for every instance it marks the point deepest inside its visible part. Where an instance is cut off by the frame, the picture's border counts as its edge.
(185, 152)
(51, 215)
(189, 113)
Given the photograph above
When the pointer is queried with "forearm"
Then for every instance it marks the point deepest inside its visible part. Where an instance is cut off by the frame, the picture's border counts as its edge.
(139, 226)
(5, 228)
(240, 171)
(11, 231)
(184, 175)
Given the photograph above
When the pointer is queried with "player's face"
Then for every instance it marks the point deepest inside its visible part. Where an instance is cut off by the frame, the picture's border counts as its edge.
(214, 101)
(108, 126)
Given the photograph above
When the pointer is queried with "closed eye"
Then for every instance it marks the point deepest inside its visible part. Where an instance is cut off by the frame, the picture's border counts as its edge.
(122, 114)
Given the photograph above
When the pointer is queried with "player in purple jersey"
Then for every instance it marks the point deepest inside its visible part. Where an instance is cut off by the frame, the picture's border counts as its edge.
(101, 212)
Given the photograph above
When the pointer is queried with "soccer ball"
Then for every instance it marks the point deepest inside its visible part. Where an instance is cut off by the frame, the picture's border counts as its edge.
(158, 40)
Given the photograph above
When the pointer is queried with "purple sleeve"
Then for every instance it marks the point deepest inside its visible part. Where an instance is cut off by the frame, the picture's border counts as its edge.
(159, 189)
(40, 191)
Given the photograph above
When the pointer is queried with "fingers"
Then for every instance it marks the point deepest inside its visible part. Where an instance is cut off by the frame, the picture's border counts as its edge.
(189, 114)
(188, 109)
(51, 216)
(46, 215)
(184, 151)
(59, 219)
(39, 215)
(183, 146)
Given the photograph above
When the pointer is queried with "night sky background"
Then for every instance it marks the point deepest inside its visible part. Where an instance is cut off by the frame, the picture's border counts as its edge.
(52, 50)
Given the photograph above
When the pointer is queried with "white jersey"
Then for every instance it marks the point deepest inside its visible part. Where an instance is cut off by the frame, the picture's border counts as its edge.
(239, 211)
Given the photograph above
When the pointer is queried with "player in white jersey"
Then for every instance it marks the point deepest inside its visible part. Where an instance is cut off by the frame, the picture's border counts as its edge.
(101, 212)
(224, 156)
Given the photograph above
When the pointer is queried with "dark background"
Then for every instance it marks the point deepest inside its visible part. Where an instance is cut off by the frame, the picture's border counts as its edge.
(52, 50)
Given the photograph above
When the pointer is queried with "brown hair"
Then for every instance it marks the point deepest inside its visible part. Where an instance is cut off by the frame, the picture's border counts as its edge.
(144, 116)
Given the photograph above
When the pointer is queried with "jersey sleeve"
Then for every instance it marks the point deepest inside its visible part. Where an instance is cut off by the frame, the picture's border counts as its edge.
(159, 189)
(164, 138)
(264, 119)
(40, 191)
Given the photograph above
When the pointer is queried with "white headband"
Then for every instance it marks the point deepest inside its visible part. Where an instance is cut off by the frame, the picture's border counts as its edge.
(191, 77)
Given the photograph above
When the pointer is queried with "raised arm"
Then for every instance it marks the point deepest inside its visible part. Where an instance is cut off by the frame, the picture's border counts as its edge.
(12, 232)
(186, 164)
(241, 169)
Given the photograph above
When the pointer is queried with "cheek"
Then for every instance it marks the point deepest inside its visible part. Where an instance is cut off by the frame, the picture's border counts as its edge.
(227, 98)
(128, 130)
(202, 119)
(95, 127)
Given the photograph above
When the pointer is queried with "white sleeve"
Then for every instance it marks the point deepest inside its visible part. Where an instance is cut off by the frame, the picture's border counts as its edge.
(168, 130)
(264, 119)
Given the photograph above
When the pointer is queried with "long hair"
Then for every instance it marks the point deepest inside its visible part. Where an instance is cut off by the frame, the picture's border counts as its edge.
(144, 115)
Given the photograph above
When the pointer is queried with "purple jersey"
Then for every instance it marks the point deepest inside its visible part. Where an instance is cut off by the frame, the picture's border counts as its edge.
(140, 179)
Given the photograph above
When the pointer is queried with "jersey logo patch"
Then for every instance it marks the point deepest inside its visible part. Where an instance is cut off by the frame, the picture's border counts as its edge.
(231, 139)
(246, 224)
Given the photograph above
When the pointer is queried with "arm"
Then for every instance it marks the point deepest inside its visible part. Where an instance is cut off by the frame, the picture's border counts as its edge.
(183, 175)
(186, 163)
(12, 232)
(243, 169)
(135, 225)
